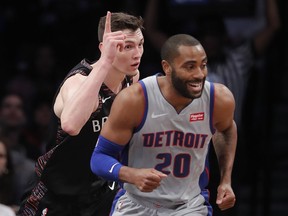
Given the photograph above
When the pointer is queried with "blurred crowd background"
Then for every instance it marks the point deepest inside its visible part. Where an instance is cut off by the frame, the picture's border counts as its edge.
(246, 43)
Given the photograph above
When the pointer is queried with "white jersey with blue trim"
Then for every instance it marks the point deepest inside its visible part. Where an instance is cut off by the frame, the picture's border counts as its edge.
(173, 143)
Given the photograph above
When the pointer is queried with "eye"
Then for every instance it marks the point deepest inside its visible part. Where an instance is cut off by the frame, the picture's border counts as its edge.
(128, 47)
(203, 66)
(190, 66)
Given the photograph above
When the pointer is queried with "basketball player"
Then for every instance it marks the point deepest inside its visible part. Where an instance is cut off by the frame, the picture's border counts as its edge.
(167, 123)
(65, 184)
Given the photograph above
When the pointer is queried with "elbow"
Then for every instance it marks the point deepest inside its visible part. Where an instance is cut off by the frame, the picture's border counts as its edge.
(96, 165)
(70, 128)
(92, 164)
(104, 166)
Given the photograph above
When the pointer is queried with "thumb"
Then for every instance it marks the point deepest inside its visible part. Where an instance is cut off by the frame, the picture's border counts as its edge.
(220, 196)
(160, 174)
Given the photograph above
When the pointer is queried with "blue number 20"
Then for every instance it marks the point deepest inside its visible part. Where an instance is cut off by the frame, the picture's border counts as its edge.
(181, 165)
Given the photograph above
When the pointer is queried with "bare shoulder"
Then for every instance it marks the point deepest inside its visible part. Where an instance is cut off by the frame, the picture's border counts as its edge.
(67, 89)
(134, 93)
(126, 114)
(76, 79)
(223, 94)
(224, 106)
(130, 103)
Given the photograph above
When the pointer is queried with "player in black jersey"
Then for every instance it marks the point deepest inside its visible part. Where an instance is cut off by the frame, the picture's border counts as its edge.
(65, 184)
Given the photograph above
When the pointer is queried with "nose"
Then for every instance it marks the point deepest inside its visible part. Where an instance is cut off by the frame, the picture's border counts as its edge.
(199, 73)
(138, 53)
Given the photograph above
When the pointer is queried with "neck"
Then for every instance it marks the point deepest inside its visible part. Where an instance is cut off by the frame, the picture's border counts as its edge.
(114, 80)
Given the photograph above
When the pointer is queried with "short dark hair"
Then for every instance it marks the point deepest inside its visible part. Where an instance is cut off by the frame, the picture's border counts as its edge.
(169, 50)
(120, 21)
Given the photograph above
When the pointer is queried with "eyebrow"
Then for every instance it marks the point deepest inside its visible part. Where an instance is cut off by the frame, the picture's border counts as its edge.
(195, 62)
(132, 41)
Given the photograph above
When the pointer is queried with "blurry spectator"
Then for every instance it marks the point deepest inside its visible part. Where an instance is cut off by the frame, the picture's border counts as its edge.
(7, 174)
(22, 82)
(12, 121)
(22, 85)
(42, 129)
(12, 125)
(45, 72)
(6, 210)
(229, 63)
(24, 169)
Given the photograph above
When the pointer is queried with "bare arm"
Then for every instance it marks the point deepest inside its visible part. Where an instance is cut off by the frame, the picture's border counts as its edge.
(156, 37)
(78, 97)
(263, 38)
(224, 141)
(126, 113)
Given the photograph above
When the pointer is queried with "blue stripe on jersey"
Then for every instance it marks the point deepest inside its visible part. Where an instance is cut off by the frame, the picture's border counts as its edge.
(206, 195)
(212, 97)
(120, 193)
(205, 175)
(145, 109)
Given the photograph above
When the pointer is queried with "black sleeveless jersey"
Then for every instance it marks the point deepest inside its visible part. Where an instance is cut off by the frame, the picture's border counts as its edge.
(65, 168)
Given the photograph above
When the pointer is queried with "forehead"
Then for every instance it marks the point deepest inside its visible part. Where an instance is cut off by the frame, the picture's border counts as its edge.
(191, 53)
(133, 35)
(12, 100)
(2, 147)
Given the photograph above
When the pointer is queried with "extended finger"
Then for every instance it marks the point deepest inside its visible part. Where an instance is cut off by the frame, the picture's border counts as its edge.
(108, 23)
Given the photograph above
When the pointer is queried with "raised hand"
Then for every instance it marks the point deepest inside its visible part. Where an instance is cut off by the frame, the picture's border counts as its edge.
(112, 41)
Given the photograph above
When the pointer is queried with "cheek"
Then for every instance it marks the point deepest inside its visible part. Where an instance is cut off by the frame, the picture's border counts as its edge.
(3, 163)
(205, 71)
(121, 62)
(122, 58)
(142, 51)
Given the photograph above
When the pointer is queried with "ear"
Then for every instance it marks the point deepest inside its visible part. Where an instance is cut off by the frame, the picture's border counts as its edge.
(166, 67)
(100, 46)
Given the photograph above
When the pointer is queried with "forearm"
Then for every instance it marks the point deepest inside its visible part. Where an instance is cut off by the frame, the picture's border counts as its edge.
(273, 18)
(225, 143)
(156, 36)
(126, 174)
(273, 23)
(104, 161)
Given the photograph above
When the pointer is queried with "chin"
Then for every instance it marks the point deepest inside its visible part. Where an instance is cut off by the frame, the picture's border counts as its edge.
(131, 72)
(197, 95)
(135, 73)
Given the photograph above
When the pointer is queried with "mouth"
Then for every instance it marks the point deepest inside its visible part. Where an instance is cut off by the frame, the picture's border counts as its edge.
(195, 86)
(136, 65)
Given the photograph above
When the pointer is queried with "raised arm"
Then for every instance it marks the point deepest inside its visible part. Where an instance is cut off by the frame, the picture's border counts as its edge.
(262, 39)
(224, 141)
(155, 35)
(78, 97)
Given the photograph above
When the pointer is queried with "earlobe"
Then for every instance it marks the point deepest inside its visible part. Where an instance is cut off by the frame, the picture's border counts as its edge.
(100, 46)
(166, 67)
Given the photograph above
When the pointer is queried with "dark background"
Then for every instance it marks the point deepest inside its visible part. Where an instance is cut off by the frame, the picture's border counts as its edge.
(69, 29)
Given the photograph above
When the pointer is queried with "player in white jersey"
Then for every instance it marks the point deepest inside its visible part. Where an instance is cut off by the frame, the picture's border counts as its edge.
(163, 126)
